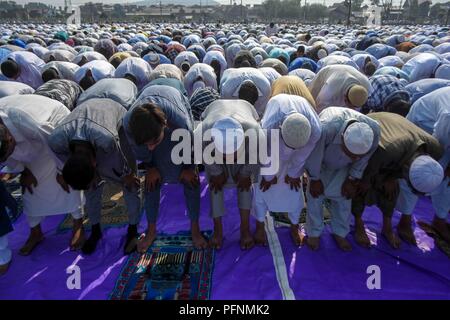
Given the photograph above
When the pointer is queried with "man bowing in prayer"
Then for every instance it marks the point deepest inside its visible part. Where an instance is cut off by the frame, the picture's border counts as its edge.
(229, 122)
(432, 114)
(298, 127)
(404, 152)
(335, 166)
(92, 147)
(23, 66)
(159, 110)
(248, 84)
(26, 123)
(341, 86)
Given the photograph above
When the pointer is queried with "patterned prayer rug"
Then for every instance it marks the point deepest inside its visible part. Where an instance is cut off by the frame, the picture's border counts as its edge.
(281, 219)
(438, 240)
(114, 211)
(170, 270)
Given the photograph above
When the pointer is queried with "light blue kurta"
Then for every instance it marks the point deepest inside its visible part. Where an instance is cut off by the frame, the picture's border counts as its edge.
(332, 166)
(432, 114)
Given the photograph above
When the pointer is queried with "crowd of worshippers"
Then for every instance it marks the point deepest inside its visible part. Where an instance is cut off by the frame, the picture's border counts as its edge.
(362, 116)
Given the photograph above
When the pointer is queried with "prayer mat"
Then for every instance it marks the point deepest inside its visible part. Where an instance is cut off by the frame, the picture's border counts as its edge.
(438, 240)
(114, 211)
(171, 269)
(281, 219)
(14, 188)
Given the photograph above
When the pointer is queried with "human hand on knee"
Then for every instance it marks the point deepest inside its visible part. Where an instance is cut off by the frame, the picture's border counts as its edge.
(190, 177)
(316, 188)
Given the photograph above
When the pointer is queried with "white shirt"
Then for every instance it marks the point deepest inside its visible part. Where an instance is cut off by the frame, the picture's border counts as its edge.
(30, 68)
(232, 80)
(137, 67)
(31, 119)
(330, 85)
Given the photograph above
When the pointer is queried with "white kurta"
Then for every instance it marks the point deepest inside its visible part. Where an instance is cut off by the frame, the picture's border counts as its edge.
(31, 119)
(30, 68)
(137, 67)
(66, 70)
(329, 87)
(280, 197)
(100, 70)
(200, 72)
(232, 80)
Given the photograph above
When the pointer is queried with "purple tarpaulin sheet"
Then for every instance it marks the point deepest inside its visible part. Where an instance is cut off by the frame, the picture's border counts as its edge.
(410, 273)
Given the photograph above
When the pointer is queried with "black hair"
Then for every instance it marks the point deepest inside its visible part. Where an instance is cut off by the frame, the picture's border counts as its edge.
(50, 74)
(243, 59)
(116, 61)
(4, 142)
(83, 61)
(369, 68)
(177, 38)
(87, 81)
(130, 77)
(146, 123)
(215, 64)
(293, 56)
(185, 66)
(10, 68)
(282, 59)
(307, 65)
(78, 171)
(398, 106)
(248, 92)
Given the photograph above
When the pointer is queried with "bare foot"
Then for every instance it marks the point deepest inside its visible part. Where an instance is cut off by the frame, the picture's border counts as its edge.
(342, 243)
(360, 235)
(247, 241)
(390, 236)
(4, 268)
(145, 242)
(199, 241)
(216, 241)
(260, 234)
(406, 233)
(36, 237)
(78, 237)
(296, 235)
(441, 227)
(313, 243)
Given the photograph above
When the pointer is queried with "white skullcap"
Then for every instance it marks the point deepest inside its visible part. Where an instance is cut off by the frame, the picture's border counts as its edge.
(358, 138)
(228, 135)
(258, 59)
(296, 130)
(425, 174)
(321, 53)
